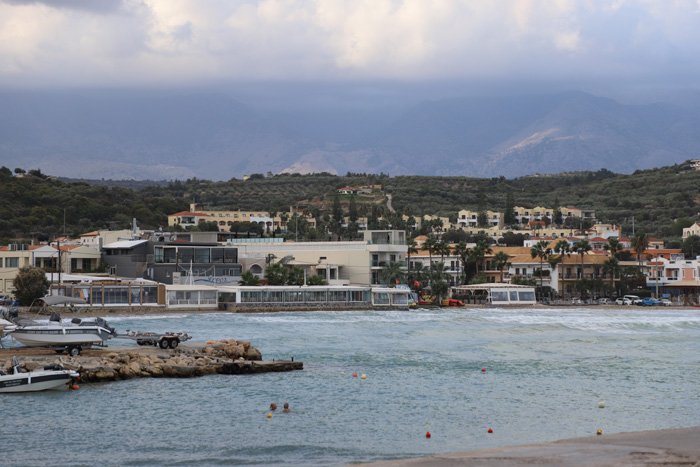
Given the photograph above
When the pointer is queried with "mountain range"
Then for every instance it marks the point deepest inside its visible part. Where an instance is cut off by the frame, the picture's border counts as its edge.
(145, 135)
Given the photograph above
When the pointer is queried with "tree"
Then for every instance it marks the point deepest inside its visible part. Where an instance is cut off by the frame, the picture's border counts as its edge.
(541, 251)
(680, 224)
(612, 266)
(509, 213)
(393, 274)
(337, 209)
(500, 262)
(613, 246)
(691, 246)
(352, 210)
(581, 248)
(295, 276)
(30, 283)
(316, 280)
(557, 219)
(640, 243)
(429, 244)
(443, 249)
(248, 278)
(412, 247)
(462, 251)
(276, 274)
(479, 252)
(438, 281)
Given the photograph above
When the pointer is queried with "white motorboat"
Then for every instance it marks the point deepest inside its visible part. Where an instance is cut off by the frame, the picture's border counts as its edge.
(71, 335)
(51, 377)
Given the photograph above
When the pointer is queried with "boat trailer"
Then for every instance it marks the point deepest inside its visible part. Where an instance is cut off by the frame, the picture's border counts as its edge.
(167, 340)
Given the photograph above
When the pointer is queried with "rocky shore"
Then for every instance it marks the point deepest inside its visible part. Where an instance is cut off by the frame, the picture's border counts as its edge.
(228, 357)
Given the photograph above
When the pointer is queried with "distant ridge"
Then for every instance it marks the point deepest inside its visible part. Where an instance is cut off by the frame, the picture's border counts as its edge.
(144, 135)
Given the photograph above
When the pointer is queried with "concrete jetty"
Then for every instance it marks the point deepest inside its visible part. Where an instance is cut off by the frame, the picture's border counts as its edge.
(229, 357)
(673, 447)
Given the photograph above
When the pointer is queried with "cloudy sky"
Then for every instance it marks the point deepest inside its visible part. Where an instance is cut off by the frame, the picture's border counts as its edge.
(77, 43)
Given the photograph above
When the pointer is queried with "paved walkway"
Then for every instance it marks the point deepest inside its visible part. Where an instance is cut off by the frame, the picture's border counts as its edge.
(678, 447)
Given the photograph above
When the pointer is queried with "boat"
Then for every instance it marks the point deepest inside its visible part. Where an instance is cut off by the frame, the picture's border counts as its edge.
(51, 377)
(71, 335)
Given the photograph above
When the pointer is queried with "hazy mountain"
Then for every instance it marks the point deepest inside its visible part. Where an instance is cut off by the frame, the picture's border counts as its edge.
(141, 135)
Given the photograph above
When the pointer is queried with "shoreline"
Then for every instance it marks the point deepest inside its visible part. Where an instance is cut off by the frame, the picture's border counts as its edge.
(145, 311)
(670, 447)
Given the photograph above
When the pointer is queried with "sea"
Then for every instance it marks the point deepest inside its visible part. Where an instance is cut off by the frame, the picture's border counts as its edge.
(528, 375)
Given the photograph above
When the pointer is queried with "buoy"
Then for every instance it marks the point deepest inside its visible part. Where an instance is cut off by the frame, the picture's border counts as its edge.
(600, 432)
(269, 415)
(490, 430)
(483, 370)
(427, 435)
(342, 372)
(354, 375)
(363, 377)
(601, 405)
(75, 387)
(211, 342)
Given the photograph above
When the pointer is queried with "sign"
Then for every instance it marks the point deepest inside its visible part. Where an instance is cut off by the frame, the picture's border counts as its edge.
(677, 257)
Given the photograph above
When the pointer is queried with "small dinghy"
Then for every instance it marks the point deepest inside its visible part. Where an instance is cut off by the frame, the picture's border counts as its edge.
(51, 377)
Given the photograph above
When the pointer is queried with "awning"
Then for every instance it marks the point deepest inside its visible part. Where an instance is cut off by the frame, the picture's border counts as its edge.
(52, 300)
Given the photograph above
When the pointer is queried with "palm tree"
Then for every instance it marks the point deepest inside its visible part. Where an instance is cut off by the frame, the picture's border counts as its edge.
(442, 248)
(640, 243)
(612, 266)
(429, 244)
(562, 248)
(412, 248)
(393, 273)
(500, 262)
(439, 284)
(248, 278)
(541, 251)
(581, 248)
(462, 251)
(613, 246)
(479, 252)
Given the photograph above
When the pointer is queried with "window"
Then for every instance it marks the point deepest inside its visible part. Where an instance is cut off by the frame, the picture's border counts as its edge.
(499, 296)
(12, 262)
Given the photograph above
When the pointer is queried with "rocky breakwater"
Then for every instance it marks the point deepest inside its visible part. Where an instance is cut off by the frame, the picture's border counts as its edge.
(228, 357)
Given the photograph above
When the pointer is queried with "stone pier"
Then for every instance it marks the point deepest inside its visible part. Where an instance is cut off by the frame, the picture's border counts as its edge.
(228, 357)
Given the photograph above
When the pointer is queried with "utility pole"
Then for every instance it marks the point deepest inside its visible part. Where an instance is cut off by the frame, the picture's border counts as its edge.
(656, 267)
(58, 244)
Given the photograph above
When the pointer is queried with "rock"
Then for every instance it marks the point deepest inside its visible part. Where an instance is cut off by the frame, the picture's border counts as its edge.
(253, 354)
(31, 366)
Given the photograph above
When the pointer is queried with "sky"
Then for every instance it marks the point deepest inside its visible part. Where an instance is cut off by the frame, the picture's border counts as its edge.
(174, 43)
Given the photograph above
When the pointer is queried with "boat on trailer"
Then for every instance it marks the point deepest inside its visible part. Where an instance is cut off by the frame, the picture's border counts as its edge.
(51, 377)
(70, 335)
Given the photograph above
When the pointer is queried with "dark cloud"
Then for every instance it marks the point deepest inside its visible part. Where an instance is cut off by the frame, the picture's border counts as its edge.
(93, 6)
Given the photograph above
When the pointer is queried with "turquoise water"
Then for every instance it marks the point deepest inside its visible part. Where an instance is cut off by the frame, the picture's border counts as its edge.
(546, 372)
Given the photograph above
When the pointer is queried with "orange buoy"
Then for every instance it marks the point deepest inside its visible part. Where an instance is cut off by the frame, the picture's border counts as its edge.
(600, 432)
(354, 375)
(490, 430)
(75, 387)
(427, 435)
(269, 415)
(483, 370)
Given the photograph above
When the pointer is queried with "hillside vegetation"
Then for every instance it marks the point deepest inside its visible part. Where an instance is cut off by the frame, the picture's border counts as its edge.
(654, 199)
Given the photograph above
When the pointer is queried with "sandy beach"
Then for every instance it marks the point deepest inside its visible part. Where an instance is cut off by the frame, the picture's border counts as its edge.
(676, 447)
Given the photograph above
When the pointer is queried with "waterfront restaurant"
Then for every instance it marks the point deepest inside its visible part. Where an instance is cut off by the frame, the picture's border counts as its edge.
(500, 294)
(316, 295)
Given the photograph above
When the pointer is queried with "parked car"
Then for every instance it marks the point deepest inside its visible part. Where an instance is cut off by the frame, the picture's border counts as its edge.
(666, 302)
(631, 300)
(604, 301)
(576, 301)
(5, 300)
(620, 301)
(648, 301)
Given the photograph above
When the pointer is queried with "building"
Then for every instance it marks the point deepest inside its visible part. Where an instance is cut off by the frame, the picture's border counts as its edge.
(67, 259)
(692, 230)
